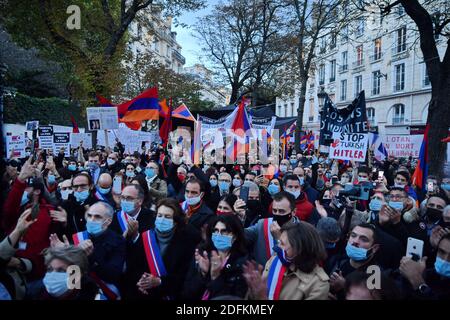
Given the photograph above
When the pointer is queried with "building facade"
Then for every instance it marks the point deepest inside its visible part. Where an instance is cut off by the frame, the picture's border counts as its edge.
(152, 33)
(381, 57)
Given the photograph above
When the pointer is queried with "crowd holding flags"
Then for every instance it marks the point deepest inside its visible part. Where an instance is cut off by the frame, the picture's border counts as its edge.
(419, 177)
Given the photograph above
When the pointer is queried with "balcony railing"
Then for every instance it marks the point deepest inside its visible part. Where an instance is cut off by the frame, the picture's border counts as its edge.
(343, 68)
(358, 63)
(398, 87)
(376, 91)
(399, 49)
(178, 56)
(398, 120)
(376, 57)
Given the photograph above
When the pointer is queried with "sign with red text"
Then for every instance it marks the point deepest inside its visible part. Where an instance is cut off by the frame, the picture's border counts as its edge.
(349, 146)
(403, 146)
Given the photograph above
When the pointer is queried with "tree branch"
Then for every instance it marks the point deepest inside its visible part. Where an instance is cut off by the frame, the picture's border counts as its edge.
(108, 16)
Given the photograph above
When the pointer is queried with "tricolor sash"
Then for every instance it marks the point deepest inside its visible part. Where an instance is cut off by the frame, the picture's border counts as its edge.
(99, 196)
(184, 206)
(275, 279)
(153, 255)
(122, 217)
(80, 237)
(107, 291)
(269, 241)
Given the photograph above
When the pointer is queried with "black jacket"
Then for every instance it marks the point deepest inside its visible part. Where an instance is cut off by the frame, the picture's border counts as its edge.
(75, 214)
(231, 282)
(176, 258)
(201, 217)
(146, 220)
(107, 259)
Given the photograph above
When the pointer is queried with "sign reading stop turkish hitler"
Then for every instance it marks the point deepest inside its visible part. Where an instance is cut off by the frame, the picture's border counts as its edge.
(349, 146)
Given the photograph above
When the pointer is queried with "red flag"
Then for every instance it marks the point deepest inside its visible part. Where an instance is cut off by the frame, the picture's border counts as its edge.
(74, 125)
(166, 126)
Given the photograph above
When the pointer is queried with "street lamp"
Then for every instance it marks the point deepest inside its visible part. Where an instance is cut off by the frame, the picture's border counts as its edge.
(321, 95)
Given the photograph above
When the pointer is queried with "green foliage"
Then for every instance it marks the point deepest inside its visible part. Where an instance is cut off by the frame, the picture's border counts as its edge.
(23, 108)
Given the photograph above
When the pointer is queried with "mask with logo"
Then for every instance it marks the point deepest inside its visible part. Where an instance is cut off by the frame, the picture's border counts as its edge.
(127, 206)
(296, 194)
(94, 227)
(355, 253)
(375, 204)
(282, 219)
(213, 183)
(273, 189)
(163, 224)
(81, 196)
(56, 283)
(192, 201)
(433, 214)
(222, 242)
(236, 183)
(65, 194)
(397, 205)
(149, 172)
(72, 167)
(130, 174)
(25, 198)
(224, 186)
(442, 267)
(103, 191)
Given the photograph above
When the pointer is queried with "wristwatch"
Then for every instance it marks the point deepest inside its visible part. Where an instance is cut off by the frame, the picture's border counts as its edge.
(424, 289)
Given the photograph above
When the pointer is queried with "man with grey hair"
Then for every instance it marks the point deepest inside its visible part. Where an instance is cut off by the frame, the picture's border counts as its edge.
(104, 247)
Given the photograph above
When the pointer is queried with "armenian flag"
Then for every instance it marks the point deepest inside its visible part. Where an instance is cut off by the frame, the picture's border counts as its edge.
(182, 112)
(143, 107)
(419, 177)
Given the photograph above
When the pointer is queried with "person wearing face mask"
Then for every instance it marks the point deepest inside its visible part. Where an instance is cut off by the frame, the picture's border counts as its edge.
(104, 247)
(361, 252)
(293, 161)
(157, 187)
(330, 232)
(445, 186)
(300, 252)
(306, 185)
(213, 200)
(196, 210)
(65, 189)
(285, 166)
(175, 244)
(103, 188)
(70, 170)
(432, 283)
(217, 266)
(375, 204)
(132, 219)
(81, 197)
(345, 178)
(113, 164)
(262, 236)
(304, 208)
(47, 221)
(226, 204)
(401, 180)
(93, 166)
(222, 188)
(130, 173)
(274, 187)
(57, 260)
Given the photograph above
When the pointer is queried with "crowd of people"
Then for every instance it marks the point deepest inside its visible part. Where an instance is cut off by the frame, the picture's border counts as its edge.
(105, 224)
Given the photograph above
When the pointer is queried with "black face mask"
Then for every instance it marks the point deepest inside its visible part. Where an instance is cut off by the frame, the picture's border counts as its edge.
(282, 219)
(433, 214)
(444, 224)
(325, 202)
(253, 205)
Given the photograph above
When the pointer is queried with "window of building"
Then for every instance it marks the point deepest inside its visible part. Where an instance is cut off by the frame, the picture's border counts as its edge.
(376, 82)
(371, 116)
(426, 79)
(344, 34)
(285, 110)
(344, 61)
(400, 40)
(359, 55)
(377, 49)
(292, 109)
(333, 41)
(360, 27)
(398, 114)
(311, 110)
(332, 70)
(321, 74)
(399, 77)
(343, 90)
(358, 85)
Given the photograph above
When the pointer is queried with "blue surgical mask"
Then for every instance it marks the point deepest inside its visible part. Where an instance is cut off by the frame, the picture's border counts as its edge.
(301, 180)
(273, 189)
(72, 167)
(25, 198)
(224, 186)
(397, 205)
(127, 206)
(130, 174)
(149, 172)
(445, 186)
(103, 190)
(192, 201)
(213, 183)
(65, 194)
(56, 283)
(110, 162)
(94, 227)
(222, 242)
(236, 183)
(163, 224)
(93, 165)
(442, 267)
(375, 204)
(283, 168)
(293, 161)
(296, 194)
(81, 196)
(51, 179)
(355, 253)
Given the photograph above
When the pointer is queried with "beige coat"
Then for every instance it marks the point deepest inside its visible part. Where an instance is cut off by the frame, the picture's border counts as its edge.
(302, 286)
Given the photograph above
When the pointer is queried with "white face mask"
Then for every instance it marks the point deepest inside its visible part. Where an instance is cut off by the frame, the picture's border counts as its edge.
(296, 194)
(65, 194)
(193, 201)
(397, 185)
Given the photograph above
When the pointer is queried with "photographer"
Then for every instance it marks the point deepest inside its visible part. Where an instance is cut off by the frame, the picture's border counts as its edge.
(250, 211)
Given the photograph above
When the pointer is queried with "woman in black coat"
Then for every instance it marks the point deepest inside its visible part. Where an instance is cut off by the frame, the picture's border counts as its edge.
(216, 269)
(176, 242)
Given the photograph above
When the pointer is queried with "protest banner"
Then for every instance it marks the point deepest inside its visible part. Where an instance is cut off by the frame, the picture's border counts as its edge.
(76, 138)
(403, 146)
(351, 119)
(15, 144)
(32, 125)
(349, 146)
(100, 118)
(45, 137)
(61, 140)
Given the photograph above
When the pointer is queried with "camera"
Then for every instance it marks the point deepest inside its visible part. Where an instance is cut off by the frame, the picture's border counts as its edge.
(357, 191)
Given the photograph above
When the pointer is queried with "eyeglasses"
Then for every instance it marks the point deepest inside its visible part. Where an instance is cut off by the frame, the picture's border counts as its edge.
(395, 196)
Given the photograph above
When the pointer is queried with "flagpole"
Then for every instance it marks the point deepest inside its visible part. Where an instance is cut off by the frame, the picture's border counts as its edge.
(106, 139)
